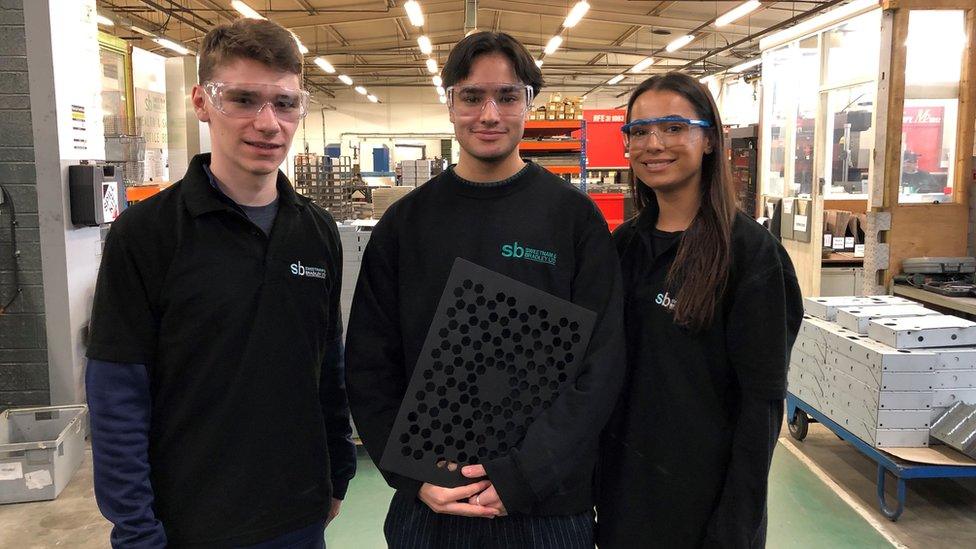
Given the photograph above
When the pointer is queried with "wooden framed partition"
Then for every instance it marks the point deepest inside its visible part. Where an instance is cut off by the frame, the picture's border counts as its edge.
(921, 229)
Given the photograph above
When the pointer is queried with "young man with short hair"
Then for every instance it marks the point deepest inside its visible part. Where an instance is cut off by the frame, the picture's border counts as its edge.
(539, 495)
(218, 411)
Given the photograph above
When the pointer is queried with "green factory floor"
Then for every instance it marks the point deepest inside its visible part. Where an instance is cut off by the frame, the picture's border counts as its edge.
(803, 511)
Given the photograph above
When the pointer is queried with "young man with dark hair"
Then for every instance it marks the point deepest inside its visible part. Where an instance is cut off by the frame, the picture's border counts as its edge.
(540, 493)
(218, 411)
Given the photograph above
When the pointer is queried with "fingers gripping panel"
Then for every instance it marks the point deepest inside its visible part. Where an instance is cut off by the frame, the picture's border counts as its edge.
(497, 354)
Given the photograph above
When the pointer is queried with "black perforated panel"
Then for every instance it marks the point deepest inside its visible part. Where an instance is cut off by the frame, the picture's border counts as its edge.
(497, 354)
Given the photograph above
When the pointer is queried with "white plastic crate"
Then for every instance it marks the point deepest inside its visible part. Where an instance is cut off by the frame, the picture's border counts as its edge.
(40, 450)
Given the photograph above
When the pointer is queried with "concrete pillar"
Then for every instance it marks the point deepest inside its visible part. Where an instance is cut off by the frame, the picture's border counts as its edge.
(65, 106)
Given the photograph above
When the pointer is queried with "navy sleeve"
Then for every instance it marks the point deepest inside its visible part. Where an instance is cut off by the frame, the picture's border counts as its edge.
(119, 404)
(739, 520)
(335, 410)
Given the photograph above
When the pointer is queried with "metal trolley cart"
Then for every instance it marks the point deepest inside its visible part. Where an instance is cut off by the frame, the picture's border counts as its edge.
(801, 414)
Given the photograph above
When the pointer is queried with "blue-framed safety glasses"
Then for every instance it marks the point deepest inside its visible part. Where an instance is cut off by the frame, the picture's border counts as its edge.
(670, 130)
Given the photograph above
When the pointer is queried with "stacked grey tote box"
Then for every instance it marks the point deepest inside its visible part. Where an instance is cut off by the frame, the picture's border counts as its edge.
(354, 239)
(882, 367)
(417, 172)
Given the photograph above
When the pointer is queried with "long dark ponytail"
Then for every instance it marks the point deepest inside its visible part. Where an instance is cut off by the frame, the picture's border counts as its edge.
(700, 270)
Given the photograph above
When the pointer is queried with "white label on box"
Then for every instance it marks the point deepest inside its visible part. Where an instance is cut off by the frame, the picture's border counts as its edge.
(838, 242)
(787, 205)
(859, 250)
(849, 243)
(828, 241)
(800, 223)
(11, 471)
(38, 480)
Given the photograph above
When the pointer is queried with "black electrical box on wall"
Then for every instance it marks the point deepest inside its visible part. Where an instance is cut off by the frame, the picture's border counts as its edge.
(97, 194)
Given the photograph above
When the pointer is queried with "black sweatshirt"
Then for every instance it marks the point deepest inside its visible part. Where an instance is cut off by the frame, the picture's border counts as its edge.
(687, 452)
(404, 270)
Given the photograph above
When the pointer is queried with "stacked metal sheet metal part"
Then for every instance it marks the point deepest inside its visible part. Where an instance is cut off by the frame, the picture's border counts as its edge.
(354, 239)
(886, 369)
(957, 428)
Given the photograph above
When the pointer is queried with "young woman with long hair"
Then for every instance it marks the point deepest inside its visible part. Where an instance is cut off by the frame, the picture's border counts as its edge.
(712, 310)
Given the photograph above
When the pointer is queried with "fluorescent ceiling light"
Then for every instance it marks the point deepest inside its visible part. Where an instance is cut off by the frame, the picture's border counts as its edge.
(443, 99)
(707, 80)
(245, 10)
(425, 46)
(553, 44)
(324, 65)
(577, 13)
(143, 32)
(361, 90)
(437, 80)
(301, 47)
(440, 90)
(171, 45)
(745, 66)
(102, 20)
(345, 80)
(737, 13)
(615, 79)
(642, 65)
(373, 98)
(431, 66)
(679, 43)
(413, 12)
(538, 63)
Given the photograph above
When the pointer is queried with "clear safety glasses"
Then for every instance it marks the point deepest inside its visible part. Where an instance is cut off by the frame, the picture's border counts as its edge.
(510, 100)
(671, 131)
(239, 100)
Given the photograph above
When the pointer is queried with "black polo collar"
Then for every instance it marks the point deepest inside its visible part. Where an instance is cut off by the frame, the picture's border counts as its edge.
(201, 197)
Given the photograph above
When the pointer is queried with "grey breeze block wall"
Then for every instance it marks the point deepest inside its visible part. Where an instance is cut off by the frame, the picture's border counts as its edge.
(23, 345)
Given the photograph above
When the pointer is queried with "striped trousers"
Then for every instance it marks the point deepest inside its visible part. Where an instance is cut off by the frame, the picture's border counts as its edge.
(410, 524)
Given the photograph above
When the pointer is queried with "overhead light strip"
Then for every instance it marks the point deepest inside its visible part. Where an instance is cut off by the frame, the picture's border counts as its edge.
(325, 65)
(737, 13)
(576, 14)
(425, 45)
(414, 13)
(245, 10)
(640, 66)
(553, 44)
(679, 43)
(169, 44)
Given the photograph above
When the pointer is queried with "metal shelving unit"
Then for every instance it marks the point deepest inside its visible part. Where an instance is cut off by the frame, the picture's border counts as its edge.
(552, 145)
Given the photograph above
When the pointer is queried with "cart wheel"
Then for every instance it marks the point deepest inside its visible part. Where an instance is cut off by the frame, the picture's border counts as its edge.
(799, 424)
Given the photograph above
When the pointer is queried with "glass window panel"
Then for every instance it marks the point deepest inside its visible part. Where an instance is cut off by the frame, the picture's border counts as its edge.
(928, 150)
(778, 76)
(936, 40)
(853, 49)
(935, 45)
(113, 91)
(849, 141)
(808, 67)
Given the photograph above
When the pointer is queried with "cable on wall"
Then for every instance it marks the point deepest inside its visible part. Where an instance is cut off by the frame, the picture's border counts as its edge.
(7, 203)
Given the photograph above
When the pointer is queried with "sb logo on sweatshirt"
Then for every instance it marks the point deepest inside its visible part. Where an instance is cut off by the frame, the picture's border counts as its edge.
(665, 300)
(517, 251)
